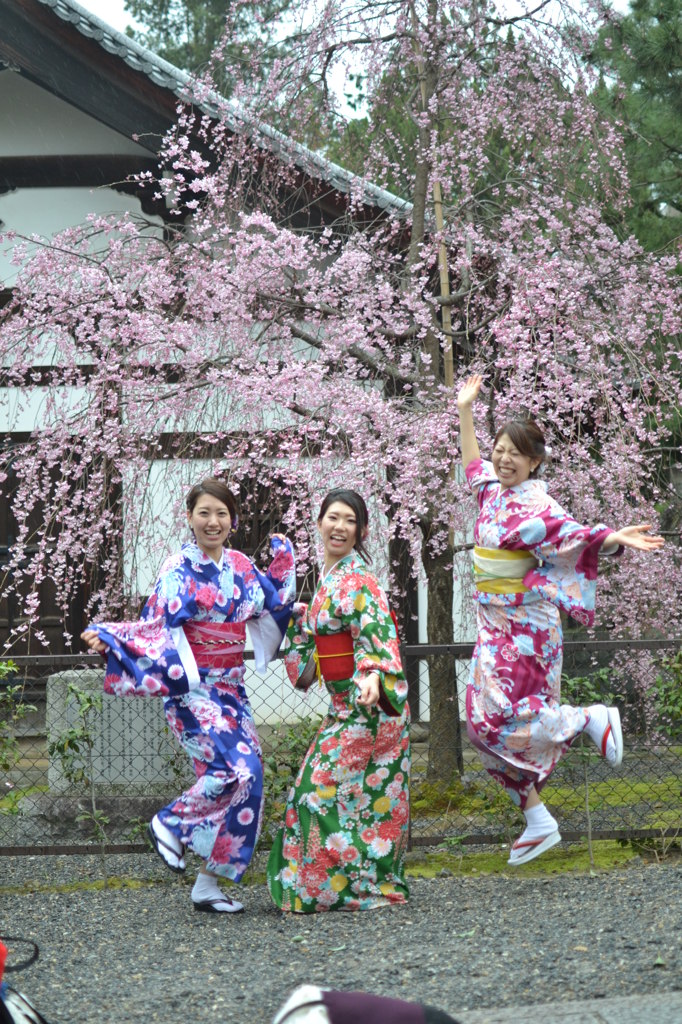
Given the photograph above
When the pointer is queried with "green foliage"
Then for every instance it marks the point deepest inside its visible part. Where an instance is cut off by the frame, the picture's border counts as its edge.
(288, 746)
(644, 50)
(12, 710)
(185, 32)
(597, 688)
(668, 698)
(98, 822)
(74, 745)
(10, 803)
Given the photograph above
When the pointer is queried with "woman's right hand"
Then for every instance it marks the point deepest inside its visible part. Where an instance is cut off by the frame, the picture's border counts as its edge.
(92, 640)
(468, 393)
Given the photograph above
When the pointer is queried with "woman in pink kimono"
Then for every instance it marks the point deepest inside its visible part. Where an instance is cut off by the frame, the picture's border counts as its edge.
(531, 559)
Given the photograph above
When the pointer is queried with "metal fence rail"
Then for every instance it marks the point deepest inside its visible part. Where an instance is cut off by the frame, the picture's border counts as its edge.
(80, 770)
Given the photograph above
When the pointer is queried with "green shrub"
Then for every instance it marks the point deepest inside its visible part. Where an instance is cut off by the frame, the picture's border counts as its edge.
(668, 698)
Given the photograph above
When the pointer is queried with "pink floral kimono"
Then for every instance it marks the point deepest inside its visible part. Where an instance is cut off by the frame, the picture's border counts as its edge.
(514, 711)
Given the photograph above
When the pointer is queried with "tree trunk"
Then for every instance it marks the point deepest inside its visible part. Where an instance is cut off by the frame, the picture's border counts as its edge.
(445, 736)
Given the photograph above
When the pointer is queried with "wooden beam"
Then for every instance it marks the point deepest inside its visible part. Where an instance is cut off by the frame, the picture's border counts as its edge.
(81, 171)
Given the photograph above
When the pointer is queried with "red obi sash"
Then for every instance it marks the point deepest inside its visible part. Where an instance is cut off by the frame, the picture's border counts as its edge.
(335, 656)
(217, 644)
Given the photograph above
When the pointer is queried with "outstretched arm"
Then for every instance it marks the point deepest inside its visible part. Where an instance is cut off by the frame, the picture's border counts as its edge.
(466, 397)
(637, 537)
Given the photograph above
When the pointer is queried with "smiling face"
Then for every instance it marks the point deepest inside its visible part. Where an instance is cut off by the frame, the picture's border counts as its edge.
(210, 522)
(511, 467)
(338, 528)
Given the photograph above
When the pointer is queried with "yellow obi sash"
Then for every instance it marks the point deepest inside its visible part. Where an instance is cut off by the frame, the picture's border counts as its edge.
(497, 571)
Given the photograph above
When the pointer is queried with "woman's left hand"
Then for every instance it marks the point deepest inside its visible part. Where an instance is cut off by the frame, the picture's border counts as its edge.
(369, 690)
(90, 637)
(637, 537)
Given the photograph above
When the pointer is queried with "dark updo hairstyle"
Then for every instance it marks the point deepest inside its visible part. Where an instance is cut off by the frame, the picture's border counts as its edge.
(527, 438)
(354, 501)
(217, 489)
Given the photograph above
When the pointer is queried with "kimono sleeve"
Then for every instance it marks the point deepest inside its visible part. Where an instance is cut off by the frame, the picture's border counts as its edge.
(299, 649)
(481, 478)
(568, 554)
(151, 657)
(376, 647)
(278, 584)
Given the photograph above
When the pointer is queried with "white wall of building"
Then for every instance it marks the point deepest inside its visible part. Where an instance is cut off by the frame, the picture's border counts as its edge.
(33, 122)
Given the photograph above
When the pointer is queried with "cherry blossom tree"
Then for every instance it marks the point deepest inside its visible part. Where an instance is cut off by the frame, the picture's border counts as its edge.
(302, 329)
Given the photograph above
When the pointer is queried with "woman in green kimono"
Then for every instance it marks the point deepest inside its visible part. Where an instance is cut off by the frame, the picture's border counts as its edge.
(342, 843)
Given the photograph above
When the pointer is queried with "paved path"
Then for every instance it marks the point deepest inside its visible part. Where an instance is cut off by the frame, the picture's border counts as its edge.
(519, 949)
(665, 1008)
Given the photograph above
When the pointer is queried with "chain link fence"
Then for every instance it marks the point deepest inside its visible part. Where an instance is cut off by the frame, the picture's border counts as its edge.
(80, 770)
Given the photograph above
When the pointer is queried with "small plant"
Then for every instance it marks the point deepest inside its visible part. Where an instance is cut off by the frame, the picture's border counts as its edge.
(137, 831)
(597, 688)
(12, 710)
(584, 691)
(668, 698)
(98, 821)
(663, 847)
(455, 844)
(74, 747)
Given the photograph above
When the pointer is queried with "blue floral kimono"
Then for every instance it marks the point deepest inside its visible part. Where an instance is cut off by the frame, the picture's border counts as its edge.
(188, 648)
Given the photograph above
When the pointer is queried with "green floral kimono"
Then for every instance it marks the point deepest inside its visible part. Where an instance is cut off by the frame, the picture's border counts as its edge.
(342, 843)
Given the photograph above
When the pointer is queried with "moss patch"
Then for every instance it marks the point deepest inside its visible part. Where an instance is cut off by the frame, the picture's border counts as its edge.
(615, 793)
(428, 798)
(573, 858)
(91, 886)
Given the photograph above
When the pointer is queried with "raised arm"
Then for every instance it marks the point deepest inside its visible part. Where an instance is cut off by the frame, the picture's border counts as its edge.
(466, 397)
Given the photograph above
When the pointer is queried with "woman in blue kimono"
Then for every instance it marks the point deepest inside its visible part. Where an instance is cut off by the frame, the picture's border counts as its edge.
(188, 648)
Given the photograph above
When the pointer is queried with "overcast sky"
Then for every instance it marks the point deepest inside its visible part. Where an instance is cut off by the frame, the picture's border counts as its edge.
(113, 13)
(110, 11)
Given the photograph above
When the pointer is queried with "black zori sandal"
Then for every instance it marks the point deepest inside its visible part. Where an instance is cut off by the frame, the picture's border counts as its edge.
(170, 857)
(213, 906)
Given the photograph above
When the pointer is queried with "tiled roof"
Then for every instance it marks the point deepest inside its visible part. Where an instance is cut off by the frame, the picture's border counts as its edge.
(167, 76)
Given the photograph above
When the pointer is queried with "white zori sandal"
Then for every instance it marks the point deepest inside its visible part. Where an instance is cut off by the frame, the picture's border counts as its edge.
(605, 730)
(524, 850)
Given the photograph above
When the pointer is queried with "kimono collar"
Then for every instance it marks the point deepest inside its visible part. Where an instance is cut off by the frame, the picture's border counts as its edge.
(193, 552)
(529, 488)
(349, 563)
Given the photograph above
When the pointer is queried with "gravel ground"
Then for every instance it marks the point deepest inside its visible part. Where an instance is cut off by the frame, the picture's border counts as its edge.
(141, 953)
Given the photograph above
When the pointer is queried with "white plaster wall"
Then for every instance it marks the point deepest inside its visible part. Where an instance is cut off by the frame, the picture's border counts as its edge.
(45, 212)
(34, 122)
(22, 410)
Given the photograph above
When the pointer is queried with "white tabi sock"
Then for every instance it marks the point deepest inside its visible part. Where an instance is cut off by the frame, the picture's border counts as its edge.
(206, 891)
(539, 823)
